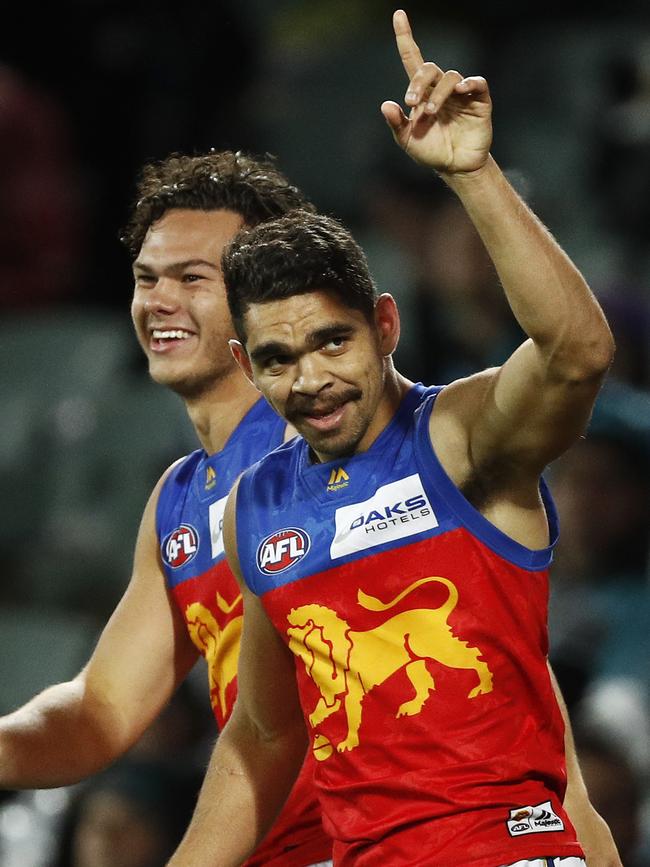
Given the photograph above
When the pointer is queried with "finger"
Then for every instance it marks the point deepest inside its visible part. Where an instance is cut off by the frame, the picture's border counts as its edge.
(444, 88)
(473, 84)
(396, 119)
(407, 46)
(427, 76)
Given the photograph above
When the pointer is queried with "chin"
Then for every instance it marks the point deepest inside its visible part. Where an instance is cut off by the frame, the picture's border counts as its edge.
(335, 447)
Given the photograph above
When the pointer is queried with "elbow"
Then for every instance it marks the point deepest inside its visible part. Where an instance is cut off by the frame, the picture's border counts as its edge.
(599, 355)
(586, 358)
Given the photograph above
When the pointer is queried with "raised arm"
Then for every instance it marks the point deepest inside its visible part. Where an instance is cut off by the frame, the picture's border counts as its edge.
(73, 729)
(260, 750)
(532, 408)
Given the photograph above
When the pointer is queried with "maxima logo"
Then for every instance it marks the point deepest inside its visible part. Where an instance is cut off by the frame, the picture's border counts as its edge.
(180, 546)
(397, 510)
(281, 550)
(534, 820)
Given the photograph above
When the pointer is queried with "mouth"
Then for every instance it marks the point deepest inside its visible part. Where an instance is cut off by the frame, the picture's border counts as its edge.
(167, 339)
(326, 421)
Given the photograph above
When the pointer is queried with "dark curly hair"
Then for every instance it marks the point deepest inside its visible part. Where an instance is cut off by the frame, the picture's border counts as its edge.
(251, 186)
(298, 253)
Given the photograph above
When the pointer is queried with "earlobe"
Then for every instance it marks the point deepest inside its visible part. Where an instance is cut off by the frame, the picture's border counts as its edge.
(241, 357)
(387, 323)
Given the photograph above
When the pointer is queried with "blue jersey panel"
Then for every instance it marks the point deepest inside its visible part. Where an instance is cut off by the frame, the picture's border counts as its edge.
(192, 500)
(295, 518)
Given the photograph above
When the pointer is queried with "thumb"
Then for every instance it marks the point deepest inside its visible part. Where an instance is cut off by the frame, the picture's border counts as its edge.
(395, 118)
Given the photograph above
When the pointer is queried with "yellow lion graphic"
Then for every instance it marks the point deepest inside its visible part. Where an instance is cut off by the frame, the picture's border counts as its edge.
(220, 647)
(346, 664)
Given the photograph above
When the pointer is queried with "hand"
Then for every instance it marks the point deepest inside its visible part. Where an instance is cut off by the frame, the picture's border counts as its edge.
(449, 125)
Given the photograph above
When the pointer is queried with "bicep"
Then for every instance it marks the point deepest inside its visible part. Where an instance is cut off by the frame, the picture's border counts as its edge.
(527, 415)
(267, 690)
(144, 650)
(266, 693)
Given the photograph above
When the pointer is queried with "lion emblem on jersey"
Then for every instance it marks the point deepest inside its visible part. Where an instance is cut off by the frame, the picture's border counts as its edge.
(220, 647)
(346, 664)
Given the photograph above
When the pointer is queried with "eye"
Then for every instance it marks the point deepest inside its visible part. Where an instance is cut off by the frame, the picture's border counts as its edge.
(192, 278)
(146, 280)
(335, 344)
(276, 363)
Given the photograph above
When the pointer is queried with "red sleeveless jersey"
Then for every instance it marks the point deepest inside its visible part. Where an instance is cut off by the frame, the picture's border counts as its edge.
(419, 632)
(189, 521)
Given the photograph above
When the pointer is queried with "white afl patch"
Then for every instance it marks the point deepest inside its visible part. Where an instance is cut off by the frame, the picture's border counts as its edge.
(282, 549)
(180, 546)
(534, 820)
(396, 511)
(215, 515)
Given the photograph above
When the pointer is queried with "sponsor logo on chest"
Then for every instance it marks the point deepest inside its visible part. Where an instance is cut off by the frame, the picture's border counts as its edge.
(397, 510)
(215, 518)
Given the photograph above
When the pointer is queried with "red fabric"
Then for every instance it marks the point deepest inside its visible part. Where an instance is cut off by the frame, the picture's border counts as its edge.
(297, 838)
(408, 780)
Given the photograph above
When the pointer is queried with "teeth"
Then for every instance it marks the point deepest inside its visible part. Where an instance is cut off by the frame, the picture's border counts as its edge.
(159, 334)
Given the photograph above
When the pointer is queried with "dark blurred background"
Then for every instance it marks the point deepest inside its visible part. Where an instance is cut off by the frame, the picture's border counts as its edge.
(91, 90)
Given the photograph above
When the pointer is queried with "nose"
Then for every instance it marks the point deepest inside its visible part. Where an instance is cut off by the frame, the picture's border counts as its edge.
(312, 376)
(163, 297)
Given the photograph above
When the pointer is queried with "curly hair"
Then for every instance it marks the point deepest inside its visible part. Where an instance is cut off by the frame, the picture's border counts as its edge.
(298, 253)
(248, 185)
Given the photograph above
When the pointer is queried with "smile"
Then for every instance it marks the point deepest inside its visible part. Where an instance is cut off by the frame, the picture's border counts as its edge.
(166, 339)
(327, 421)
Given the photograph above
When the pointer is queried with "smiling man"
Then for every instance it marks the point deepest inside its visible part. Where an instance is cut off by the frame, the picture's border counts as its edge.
(394, 561)
(182, 599)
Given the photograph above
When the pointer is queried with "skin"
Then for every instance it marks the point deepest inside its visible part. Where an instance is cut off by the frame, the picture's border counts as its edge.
(178, 286)
(493, 432)
(73, 729)
(325, 368)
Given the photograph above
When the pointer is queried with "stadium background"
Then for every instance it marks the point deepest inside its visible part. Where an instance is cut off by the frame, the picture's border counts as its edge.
(90, 90)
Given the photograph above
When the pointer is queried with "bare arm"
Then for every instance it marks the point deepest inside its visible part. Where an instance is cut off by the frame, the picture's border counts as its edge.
(73, 729)
(260, 750)
(532, 408)
(593, 833)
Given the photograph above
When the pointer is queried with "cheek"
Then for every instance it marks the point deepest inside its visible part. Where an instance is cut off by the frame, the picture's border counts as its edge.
(275, 391)
(137, 318)
(136, 309)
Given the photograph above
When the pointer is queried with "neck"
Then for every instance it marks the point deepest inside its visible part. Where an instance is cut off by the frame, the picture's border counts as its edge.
(216, 413)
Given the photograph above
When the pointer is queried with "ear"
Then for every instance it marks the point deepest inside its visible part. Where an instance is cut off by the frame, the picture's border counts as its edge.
(242, 359)
(387, 323)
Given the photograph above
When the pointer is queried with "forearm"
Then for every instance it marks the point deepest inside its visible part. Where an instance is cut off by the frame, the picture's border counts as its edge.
(546, 292)
(58, 738)
(246, 784)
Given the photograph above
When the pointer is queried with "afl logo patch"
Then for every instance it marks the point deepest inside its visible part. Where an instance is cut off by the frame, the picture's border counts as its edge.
(281, 550)
(180, 546)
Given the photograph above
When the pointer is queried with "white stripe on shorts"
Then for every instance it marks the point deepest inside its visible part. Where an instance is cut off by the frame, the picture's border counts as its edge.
(549, 862)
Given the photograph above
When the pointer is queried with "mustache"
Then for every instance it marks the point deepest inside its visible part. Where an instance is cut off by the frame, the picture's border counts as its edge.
(301, 405)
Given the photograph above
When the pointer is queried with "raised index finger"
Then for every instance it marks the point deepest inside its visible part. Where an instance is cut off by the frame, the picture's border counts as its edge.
(407, 46)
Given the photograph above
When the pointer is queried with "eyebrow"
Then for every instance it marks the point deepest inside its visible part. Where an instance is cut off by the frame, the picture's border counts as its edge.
(268, 350)
(138, 265)
(314, 339)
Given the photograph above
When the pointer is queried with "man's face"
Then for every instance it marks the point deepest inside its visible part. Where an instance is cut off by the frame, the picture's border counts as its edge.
(321, 365)
(179, 306)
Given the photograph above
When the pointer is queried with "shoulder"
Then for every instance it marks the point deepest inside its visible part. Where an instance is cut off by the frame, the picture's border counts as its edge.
(458, 407)
(176, 477)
